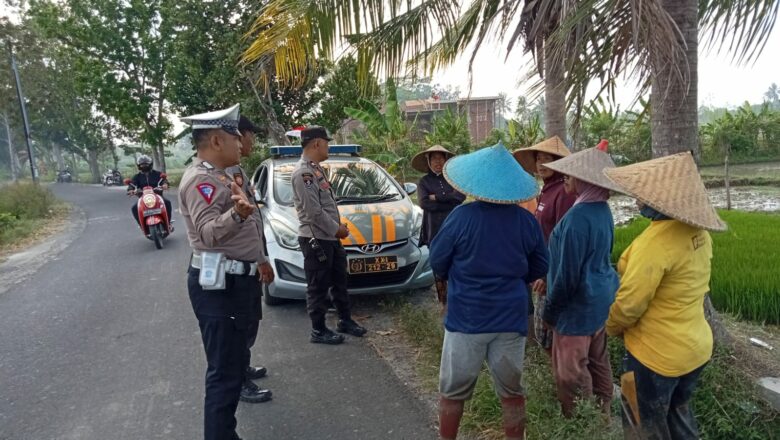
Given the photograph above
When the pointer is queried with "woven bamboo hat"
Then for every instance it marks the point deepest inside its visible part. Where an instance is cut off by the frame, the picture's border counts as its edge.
(420, 160)
(527, 156)
(491, 175)
(672, 186)
(588, 166)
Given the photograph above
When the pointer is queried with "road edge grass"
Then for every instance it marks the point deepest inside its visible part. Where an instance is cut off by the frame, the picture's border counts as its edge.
(727, 402)
(28, 212)
(422, 328)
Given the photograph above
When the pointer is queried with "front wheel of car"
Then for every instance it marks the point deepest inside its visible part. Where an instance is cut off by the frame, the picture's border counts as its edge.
(270, 300)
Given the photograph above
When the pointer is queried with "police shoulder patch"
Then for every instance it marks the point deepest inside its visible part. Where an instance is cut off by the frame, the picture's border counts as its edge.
(206, 190)
(308, 179)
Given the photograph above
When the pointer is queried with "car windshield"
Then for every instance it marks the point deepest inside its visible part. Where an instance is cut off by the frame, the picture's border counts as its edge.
(352, 182)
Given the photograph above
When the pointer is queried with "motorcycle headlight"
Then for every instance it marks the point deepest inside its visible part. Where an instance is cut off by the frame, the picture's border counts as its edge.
(285, 236)
(150, 200)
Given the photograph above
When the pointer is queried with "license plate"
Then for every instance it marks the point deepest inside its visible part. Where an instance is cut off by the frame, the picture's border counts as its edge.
(373, 264)
(149, 212)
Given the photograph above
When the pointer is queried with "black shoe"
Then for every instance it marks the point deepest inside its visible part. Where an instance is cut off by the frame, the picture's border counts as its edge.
(251, 393)
(254, 373)
(326, 336)
(351, 327)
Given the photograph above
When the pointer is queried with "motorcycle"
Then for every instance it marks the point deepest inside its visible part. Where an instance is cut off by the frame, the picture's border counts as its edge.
(112, 177)
(153, 216)
(64, 176)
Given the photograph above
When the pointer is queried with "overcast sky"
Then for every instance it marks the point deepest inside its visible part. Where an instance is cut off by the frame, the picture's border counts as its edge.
(721, 82)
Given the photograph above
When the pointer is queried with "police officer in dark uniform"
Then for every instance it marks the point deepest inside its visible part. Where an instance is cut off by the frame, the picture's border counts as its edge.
(320, 232)
(250, 392)
(224, 274)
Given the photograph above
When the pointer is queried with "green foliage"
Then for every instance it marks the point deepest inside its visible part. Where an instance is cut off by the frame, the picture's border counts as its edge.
(744, 281)
(451, 131)
(628, 132)
(423, 88)
(743, 133)
(22, 206)
(726, 403)
(518, 134)
(340, 89)
(386, 136)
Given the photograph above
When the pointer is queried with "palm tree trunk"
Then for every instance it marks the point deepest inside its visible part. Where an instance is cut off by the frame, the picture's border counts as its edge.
(674, 119)
(555, 99)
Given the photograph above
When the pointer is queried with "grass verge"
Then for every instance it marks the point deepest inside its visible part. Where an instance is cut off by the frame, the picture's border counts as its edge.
(24, 209)
(745, 280)
(422, 327)
(726, 403)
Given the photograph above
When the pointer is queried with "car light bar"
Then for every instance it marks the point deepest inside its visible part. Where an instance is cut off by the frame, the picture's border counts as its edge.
(283, 150)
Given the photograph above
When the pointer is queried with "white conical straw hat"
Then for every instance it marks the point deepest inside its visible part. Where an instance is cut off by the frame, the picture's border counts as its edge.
(671, 185)
(587, 165)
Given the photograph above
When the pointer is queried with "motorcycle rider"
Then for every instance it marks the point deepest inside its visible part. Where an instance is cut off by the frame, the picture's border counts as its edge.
(148, 177)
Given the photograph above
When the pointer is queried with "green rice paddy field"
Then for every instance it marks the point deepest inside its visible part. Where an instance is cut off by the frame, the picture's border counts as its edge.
(745, 266)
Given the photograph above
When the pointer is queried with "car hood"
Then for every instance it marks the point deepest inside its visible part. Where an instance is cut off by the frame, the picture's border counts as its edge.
(383, 222)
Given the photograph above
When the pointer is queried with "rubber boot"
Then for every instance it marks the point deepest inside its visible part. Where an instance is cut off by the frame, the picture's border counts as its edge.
(450, 412)
(514, 417)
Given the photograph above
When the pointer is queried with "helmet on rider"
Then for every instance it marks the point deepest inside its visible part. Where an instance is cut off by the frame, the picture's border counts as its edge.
(144, 163)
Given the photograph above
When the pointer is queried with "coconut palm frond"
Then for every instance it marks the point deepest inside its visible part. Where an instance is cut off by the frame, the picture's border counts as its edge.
(292, 32)
(624, 38)
(743, 26)
(476, 24)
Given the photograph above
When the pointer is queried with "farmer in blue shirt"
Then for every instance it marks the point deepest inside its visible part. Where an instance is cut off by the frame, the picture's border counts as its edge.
(581, 284)
(488, 251)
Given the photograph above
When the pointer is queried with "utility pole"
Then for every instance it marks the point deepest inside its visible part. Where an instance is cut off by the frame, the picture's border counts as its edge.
(11, 152)
(30, 156)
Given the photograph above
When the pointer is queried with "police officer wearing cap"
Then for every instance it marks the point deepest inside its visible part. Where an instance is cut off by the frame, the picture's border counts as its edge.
(224, 273)
(320, 232)
(250, 392)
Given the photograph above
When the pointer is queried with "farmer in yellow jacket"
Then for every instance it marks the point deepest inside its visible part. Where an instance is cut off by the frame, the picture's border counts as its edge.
(665, 274)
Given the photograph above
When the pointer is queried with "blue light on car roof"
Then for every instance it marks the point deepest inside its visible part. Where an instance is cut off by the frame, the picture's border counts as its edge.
(284, 150)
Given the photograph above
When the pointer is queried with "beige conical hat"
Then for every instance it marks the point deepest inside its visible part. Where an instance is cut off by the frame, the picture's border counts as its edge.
(420, 160)
(527, 156)
(671, 185)
(586, 165)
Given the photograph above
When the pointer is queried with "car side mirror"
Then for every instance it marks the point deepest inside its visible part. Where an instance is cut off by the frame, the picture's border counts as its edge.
(410, 188)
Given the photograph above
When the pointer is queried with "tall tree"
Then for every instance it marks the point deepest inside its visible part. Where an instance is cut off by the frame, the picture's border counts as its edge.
(340, 89)
(656, 42)
(121, 51)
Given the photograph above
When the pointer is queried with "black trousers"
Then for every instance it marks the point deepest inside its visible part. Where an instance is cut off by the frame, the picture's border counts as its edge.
(168, 207)
(254, 325)
(324, 279)
(224, 318)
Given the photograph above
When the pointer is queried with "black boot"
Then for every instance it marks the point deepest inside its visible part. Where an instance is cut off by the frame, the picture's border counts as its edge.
(254, 373)
(351, 327)
(251, 393)
(325, 336)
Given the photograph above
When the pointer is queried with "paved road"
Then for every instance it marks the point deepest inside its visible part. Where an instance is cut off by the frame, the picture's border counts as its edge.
(101, 343)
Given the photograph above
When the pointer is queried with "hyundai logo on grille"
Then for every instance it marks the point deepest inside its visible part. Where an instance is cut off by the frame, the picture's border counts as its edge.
(370, 248)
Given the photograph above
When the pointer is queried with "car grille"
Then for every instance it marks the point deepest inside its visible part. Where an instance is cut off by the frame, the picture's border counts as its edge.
(381, 279)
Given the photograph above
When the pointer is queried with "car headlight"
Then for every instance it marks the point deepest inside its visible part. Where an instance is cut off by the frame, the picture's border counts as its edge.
(416, 222)
(150, 201)
(285, 236)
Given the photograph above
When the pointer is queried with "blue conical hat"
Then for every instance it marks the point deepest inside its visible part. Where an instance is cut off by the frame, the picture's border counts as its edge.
(492, 175)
